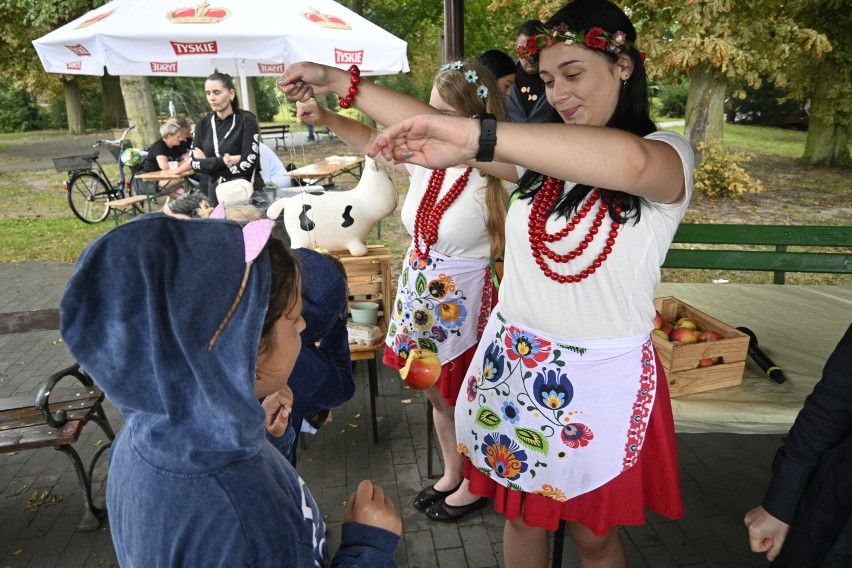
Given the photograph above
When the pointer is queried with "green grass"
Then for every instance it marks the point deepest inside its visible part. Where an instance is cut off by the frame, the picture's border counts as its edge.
(47, 238)
(761, 139)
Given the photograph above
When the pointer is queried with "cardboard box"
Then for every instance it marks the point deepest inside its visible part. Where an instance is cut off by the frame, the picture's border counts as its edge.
(680, 361)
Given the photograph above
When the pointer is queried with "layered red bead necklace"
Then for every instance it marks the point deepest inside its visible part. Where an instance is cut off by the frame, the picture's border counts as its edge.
(430, 210)
(542, 206)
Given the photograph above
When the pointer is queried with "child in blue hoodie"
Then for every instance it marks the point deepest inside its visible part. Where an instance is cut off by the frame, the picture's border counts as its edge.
(192, 479)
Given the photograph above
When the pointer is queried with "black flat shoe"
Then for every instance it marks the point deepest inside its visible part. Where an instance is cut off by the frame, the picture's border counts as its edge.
(440, 511)
(430, 495)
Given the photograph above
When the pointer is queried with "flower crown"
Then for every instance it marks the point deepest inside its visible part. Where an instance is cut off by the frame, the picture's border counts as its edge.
(470, 76)
(595, 38)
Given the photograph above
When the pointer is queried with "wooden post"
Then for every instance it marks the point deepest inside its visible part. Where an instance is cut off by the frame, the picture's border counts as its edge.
(453, 29)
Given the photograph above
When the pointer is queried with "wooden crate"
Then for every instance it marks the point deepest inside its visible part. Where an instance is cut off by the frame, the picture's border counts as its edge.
(369, 278)
(680, 361)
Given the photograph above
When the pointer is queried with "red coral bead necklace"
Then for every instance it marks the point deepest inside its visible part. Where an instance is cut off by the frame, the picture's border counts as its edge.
(430, 210)
(542, 206)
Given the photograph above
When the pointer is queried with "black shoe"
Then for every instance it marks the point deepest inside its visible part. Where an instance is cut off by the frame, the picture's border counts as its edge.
(430, 495)
(440, 511)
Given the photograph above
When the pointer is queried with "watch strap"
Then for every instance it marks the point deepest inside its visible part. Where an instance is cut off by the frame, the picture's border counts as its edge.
(487, 137)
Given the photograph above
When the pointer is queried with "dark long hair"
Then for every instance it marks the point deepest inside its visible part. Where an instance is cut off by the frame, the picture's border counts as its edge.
(228, 81)
(632, 111)
(284, 272)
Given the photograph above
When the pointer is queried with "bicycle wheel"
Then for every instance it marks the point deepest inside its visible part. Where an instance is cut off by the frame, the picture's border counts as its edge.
(88, 195)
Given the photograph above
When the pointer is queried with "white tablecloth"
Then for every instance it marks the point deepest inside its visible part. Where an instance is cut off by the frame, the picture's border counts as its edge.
(796, 326)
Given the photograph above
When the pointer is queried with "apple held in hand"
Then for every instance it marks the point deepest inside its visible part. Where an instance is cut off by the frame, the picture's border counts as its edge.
(422, 369)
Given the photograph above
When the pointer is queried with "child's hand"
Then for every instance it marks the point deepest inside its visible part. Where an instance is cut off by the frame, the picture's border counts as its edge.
(277, 407)
(369, 506)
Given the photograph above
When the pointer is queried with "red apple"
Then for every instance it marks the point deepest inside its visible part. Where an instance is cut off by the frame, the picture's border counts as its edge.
(686, 322)
(667, 328)
(661, 333)
(710, 335)
(707, 362)
(422, 369)
(683, 335)
(658, 320)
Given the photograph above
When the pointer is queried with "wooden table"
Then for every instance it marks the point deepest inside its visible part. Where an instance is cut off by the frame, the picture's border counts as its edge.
(328, 168)
(796, 326)
(163, 175)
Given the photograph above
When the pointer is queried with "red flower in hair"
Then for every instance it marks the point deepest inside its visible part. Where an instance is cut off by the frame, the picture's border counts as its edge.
(528, 49)
(595, 39)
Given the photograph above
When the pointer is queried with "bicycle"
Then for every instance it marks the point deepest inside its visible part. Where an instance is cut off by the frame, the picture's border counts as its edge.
(88, 185)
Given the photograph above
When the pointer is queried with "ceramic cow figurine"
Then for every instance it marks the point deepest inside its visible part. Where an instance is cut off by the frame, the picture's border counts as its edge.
(338, 220)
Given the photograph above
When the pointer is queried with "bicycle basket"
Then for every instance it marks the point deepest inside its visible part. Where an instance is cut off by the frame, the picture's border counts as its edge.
(72, 163)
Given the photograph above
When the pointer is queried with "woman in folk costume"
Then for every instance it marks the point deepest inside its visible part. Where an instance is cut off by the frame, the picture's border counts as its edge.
(565, 413)
(455, 216)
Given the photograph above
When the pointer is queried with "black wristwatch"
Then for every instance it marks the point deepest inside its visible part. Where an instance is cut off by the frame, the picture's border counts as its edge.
(487, 137)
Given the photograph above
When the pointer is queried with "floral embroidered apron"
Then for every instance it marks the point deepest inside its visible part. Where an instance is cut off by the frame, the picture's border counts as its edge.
(551, 417)
(439, 305)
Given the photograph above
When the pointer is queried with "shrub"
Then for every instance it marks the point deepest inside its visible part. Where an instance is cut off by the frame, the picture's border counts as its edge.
(18, 109)
(671, 98)
(721, 173)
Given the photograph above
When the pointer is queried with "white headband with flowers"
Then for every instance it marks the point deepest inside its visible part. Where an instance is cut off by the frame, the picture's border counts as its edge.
(470, 76)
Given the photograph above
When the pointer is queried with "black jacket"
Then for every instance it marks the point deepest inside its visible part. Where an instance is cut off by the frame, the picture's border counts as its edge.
(238, 135)
(811, 485)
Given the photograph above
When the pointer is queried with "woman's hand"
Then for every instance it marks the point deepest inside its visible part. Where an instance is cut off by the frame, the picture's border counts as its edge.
(198, 154)
(310, 112)
(433, 141)
(369, 506)
(302, 80)
(278, 407)
(231, 160)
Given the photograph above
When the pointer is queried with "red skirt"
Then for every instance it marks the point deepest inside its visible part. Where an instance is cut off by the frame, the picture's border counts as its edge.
(654, 482)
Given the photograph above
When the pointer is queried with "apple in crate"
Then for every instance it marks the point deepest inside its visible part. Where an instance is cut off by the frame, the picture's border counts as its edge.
(658, 320)
(422, 369)
(683, 335)
(710, 335)
(686, 322)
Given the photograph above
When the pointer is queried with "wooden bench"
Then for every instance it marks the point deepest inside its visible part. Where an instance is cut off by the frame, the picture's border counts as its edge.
(54, 418)
(277, 131)
(369, 279)
(327, 131)
(127, 207)
(744, 253)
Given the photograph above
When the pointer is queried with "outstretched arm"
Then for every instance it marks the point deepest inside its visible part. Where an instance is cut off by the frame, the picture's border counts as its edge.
(590, 155)
(386, 106)
(353, 133)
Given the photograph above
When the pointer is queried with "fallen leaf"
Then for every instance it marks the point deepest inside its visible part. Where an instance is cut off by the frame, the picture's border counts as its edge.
(18, 552)
(357, 415)
(351, 425)
(406, 401)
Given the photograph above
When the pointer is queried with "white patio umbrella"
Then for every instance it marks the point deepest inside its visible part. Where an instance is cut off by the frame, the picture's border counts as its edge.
(248, 38)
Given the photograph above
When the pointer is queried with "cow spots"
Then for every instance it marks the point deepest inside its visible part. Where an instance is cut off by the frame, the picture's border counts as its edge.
(304, 222)
(348, 220)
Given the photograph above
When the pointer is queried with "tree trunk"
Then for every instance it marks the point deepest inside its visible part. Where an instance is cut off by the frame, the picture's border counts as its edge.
(114, 116)
(74, 106)
(705, 105)
(827, 143)
(139, 104)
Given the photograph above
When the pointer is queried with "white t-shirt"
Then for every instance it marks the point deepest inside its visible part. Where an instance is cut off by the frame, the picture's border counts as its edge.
(271, 169)
(615, 301)
(462, 231)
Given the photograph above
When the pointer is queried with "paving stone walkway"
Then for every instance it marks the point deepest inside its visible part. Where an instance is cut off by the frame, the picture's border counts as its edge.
(723, 474)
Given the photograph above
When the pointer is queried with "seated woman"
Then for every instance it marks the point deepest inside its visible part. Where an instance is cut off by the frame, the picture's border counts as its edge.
(165, 153)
